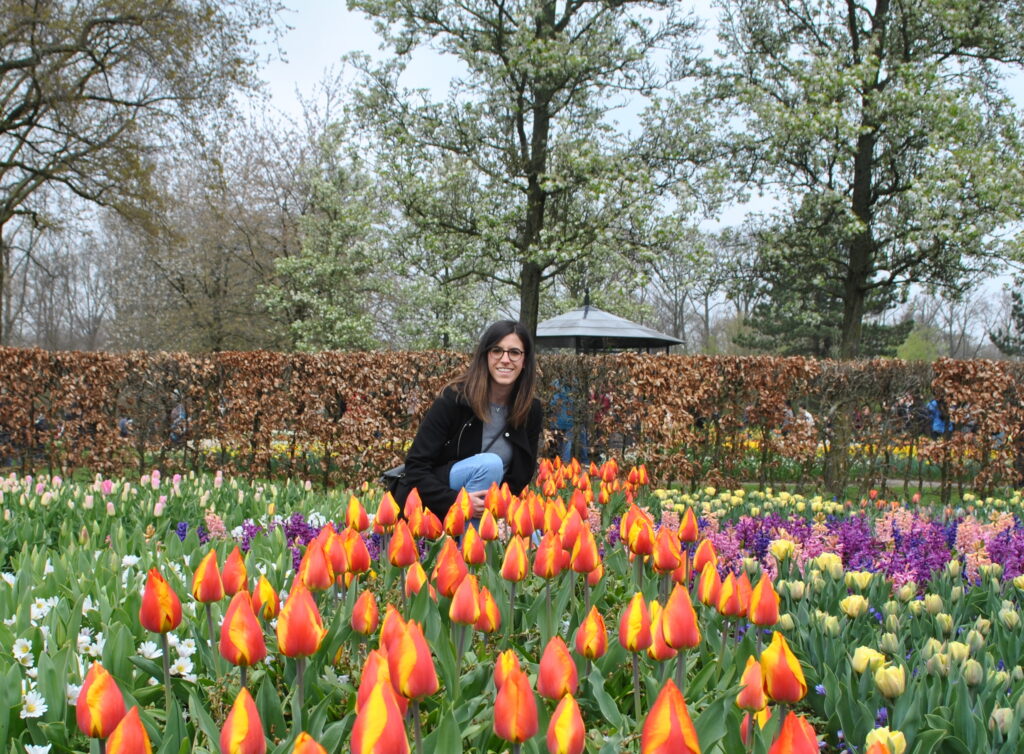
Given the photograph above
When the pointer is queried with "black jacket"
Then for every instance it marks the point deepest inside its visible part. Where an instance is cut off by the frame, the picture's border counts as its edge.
(451, 432)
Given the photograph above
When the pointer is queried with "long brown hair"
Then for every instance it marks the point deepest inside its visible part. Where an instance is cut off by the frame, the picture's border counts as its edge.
(475, 383)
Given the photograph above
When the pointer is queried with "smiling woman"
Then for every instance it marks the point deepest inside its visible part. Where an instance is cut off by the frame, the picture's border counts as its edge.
(484, 426)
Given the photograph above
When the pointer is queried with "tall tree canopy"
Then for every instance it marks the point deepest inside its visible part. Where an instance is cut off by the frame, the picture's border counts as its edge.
(519, 173)
(886, 131)
(87, 89)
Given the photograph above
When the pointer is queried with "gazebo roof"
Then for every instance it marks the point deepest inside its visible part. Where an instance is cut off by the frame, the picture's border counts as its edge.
(591, 329)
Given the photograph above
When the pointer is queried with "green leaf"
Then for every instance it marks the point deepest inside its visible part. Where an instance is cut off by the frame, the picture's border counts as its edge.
(607, 705)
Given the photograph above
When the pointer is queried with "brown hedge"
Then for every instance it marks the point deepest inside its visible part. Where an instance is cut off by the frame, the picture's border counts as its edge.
(343, 417)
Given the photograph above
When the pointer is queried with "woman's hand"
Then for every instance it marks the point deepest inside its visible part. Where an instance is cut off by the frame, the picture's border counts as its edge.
(476, 503)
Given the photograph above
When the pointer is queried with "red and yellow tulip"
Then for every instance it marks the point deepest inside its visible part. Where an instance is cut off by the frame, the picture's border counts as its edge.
(234, 575)
(379, 726)
(557, 674)
(241, 637)
(207, 586)
(161, 609)
(592, 637)
(100, 705)
(300, 629)
(243, 730)
(635, 625)
(566, 731)
(783, 677)
(411, 666)
(365, 615)
(129, 737)
(796, 737)
(668, 728)
(515, 708)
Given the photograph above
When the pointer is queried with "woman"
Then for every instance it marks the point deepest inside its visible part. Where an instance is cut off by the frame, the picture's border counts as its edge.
(484, 427)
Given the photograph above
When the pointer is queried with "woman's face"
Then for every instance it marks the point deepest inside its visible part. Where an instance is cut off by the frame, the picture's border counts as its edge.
(505, 360)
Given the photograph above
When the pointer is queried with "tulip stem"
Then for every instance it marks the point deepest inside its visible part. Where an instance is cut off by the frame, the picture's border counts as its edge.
(638, 571)
(511, 612)
(680, 669)
(460, 646)
(103, 745)
(165, 646)
(725, 639)
(243, 673)
(547, 603)
(516, 748)
(417, 726)
(209, 625)
(663, 592)
(636, 686)
(300, 687)
(586, 594)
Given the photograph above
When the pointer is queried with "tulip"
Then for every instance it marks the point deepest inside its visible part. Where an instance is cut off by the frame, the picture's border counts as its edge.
(515, 709)
(891, 681)
(355, 515)
(781, 549)
(306, 744)
(516, 565)
(504, 664)
(233, 574)
(490, 616)
(315, 571)
(783, 677)
(592, 638)
(709, 585)
(415, 579)
(365, 615)
(679, 620)
(379, 726)
(704, 554)
(450, 569)
(300, 629)
(761, 717)
(473, 550)
(391, 627)
(430, 526)
(751, 696)
(659, 650)
(387, 512)
(635, 636)
(796, 737)
(667, 555)
(585, 557)
(973, 672)
(455, 519)
(334, 549)
(409, 661)
(160, 611)
(764, 603)
(413, 504)
(488, 526)
(866, 657)
(464, 611)
(854, 605)
(859, 580)
(668, 728)
(566, 731)
(688, 529)
(375, 670)
(730, 598)
(569, 531)
(265, 602)
(557, 674)
(356, 554)
(207, 586)
(129, 737)
(547, 563)
(402, 550)
(243, 731)
(241, 638)
(100, 705)
(894, 740)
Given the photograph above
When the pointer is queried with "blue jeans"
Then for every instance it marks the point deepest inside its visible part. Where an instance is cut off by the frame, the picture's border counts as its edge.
(477, 472)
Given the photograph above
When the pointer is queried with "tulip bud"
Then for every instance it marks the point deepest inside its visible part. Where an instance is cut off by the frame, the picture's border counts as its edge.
(566, 731)
(890, 644)
(892, 607)
(796, 589)
(973, 672)
(1017, 674)
(895, 741)
(956, 594)
(954, 568)
(781, 549)
(975, 641)
(1000, 678)
(786, 622)
(891, 681)
(160, 611)
(892, 623)
(515, 709)
(933, 604)
(241, 637)
(853, 605)
(783, 677)
(830, 625)
(945, 623)
(916, 608)
(243, 730)
(938, 665)
(668, 726)
(859, 580)
(556, 675)
(306, 744)
(1000, 720)
(100, 705)
(1010, 619)
(907, 591)
(958, 651)
(866, 657)
(129, 737)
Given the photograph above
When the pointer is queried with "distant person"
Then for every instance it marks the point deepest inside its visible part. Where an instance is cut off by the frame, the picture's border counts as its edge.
(563, 407)
(938, 413)
(483, 428)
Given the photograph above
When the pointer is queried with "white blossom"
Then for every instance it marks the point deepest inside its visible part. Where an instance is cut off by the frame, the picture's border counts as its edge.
(33, 704)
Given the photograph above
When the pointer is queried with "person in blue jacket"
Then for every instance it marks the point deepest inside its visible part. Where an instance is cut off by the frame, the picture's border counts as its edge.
(939, 415)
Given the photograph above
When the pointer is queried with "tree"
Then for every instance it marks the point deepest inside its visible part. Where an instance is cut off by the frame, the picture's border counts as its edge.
(884, 126)
(1009, 338)
(544, 179)
(89, 89)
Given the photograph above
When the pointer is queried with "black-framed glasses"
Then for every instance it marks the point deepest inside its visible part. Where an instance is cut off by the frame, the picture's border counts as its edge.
(514, 354)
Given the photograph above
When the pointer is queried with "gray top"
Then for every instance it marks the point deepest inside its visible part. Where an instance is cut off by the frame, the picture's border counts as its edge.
(501, 447)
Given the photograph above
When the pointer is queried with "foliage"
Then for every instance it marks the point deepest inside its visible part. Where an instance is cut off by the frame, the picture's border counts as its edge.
(1010, 338)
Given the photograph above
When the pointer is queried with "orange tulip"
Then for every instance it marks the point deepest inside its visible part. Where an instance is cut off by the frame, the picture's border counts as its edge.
(413, 504)
(796, 737)
(391, 627)
(783, 676)
(764, 603)
(592, 638)
(243, 731)
(357, 555)
(490, 616)
(379, 726)
(704, 554)
(129, 737)
(557, 674)
(547, 563)
(516, 565)
(333, 545)
(751, 696)
(411, 666)
(207, 586)
(679, 620)
(161, 609)
(504, 664)
(570, 529)
(375, 670)
(465, 607)
(878, 747)
(365, 614)
(659, 650)
(234, 575)
(430, 527)
(595, 576)
(100, 705)
(515, 709)
(306, 744)
(681, 575)
(493, 503)
(473, 551)
(300, 630)
(355, 515)
(314, 569)
(635, 625)
(415, 579)
(709, 585)
(387, 512)
(402, 550)
(450, 569)
(762, 717)
(667, 555)
(265, 602)
(585, 557)
(668, 728)
(688, 529)
(520, 518)
(488, 526)
(455, 519)
(730, 598)
(241, 637)
(566, 731)
(641, 537)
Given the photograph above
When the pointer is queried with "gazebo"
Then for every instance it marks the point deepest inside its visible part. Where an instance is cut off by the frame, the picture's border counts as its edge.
(589, 329)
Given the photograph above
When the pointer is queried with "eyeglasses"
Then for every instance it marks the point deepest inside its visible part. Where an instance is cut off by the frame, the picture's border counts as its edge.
(514, 354)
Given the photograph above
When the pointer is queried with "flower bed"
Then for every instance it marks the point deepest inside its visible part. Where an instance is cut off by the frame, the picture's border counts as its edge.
(589, 614)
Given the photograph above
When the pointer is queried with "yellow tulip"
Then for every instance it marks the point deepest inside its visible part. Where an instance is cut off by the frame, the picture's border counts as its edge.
(891, 681)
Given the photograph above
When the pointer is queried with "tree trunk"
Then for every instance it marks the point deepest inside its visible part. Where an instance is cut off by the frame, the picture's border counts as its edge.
(529, 296)
(5, 259)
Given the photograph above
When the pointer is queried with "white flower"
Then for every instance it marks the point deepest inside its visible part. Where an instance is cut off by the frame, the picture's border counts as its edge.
(186, 648)
(39, 609)
(152, 681)
(150, 650)
(181, 666)
(96, 648)
(87, 604)
(48, 568)
(84, 639)
(33, 705)
(71, 693)
(30, 749)
(10, 621)
(129, 560)
(172, 640)
(191, 678)
(8, 578)
(32, 673)
(22, 648)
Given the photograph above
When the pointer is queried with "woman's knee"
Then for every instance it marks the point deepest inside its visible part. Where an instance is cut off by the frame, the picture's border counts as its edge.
(492, 465)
